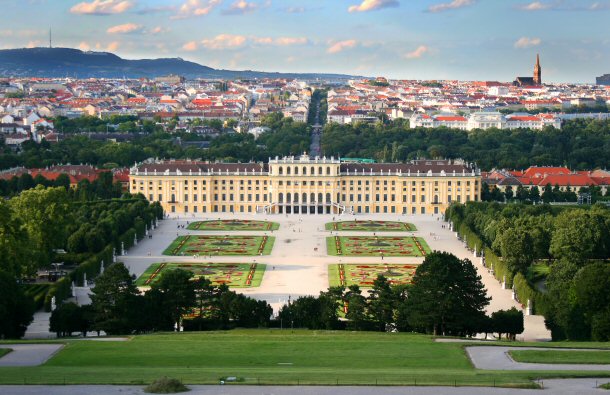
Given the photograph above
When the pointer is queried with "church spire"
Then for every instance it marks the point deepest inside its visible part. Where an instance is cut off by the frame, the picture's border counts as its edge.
(537, 71)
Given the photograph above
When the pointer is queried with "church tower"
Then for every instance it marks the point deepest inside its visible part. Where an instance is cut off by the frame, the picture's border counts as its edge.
(537, 71)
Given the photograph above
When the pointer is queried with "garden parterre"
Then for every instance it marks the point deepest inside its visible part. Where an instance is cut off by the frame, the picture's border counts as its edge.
(234, 275)
(377, 246)
(371, 226)
(234, 225)
(220, 245)
(364, 275)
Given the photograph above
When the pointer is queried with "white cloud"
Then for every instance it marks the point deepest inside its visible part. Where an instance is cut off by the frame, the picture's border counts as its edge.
(224, 41)
(240, 7)
(159, 29)
(526, 42)
(285, 41)
(102, 7)
(113, 46)
(84, 46)
(33, 44)
(341, 45)
(535, 6)
(196, 8)
(418, 52)
(450, 6)
(190, 46)
(371, 5)
(124, 29)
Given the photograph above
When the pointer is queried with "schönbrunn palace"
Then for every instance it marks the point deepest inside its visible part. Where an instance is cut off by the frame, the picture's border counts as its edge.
(305, 185)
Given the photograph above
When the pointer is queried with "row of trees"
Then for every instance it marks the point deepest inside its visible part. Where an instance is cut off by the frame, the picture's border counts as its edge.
(532, 194)
(285, 137)
(101, 188)
(573, 242)
(446, 297)
(580, 144)
(40, 222)
(119, 308)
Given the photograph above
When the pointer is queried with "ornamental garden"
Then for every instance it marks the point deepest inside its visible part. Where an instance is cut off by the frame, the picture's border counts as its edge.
(377, 246)
(364, 275)
(220, 245)
(234, 275)
(234, 225)
(371, 226)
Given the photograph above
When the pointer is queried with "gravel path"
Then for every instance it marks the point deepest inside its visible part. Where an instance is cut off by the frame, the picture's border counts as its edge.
(559, 387)
(28, 354)
(497, 358)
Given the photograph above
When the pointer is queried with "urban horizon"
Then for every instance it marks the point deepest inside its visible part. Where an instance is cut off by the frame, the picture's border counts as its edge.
(442, 40)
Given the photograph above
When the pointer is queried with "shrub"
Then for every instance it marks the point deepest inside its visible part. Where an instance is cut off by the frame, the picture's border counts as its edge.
(166, 385)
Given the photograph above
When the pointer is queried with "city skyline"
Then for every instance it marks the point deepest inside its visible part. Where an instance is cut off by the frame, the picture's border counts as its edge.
(427, 39)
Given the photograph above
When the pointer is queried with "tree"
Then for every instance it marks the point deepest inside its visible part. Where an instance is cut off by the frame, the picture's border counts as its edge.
(534, 194)
(68, 318)
(113, 300)
(517, 248)
(591, 290)
(576, 237)
(381, 303)
(44, 213)
(16, 308)
(509, 322)
(15, 251)
(178, 293)
(446, 296)
(356, 308)
(547, 194)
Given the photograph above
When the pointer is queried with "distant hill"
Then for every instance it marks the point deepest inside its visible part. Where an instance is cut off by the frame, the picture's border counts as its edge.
(69, 62)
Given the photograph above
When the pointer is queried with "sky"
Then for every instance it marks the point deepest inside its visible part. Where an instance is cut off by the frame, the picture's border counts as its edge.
(399, 39)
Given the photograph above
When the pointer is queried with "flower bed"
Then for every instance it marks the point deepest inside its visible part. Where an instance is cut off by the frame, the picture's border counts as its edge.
(221, 245)
(235, 275)
(364, 275)
(377, 246)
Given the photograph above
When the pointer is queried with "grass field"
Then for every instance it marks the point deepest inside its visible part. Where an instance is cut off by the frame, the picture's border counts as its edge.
(552, 356)
(221, 245)
(371, 226)
(4, 351)
(377, 246)
(234, 225)
(271, 357)
(364, 275)
(235, 275)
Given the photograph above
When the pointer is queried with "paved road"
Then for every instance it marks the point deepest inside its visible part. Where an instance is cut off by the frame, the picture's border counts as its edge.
(559, 387)
(497, 358)
(28, 354)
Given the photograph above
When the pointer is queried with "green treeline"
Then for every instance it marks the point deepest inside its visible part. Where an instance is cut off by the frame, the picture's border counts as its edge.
(285, 138)
(80, 228)
(434, 303)
(580, 144)
(119, 308)
(557, 257)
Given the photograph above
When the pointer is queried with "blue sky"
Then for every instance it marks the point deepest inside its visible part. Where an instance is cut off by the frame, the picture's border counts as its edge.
(411, 39)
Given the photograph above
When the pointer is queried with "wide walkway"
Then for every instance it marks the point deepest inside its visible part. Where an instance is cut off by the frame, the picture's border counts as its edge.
(497, 358)
(28, 354)
(556, 387)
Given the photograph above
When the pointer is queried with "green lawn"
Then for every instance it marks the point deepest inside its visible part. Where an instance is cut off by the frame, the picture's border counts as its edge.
(271, 357)
(234, 225)
(220, 245)
(235, 275)
(371, 226)
(377, 246)
(552, 356)
(4, 351)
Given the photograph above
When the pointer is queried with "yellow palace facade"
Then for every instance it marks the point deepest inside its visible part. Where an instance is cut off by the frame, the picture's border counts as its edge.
(305, 185)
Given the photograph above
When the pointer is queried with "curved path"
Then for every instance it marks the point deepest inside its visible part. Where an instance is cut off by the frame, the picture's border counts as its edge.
(497, 358)
(28, 354)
